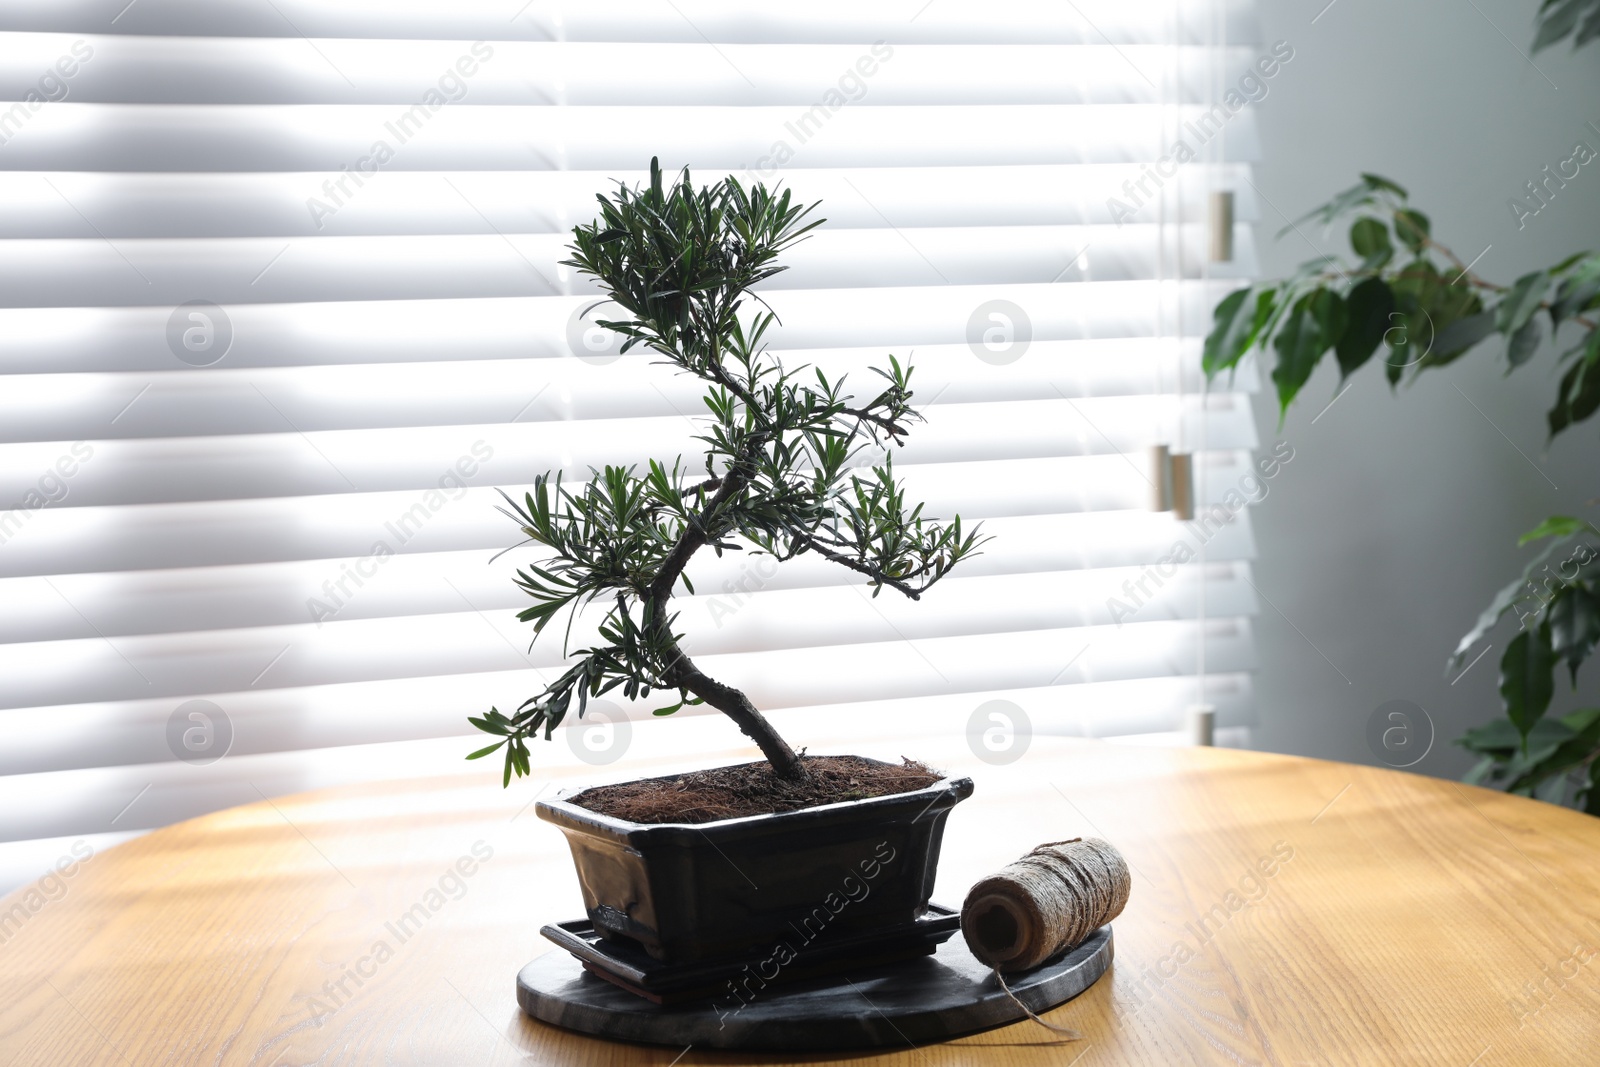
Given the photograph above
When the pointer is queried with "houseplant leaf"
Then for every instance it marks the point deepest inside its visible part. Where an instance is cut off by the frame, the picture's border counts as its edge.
(1307, 332)
(1237, 323)
(1524, 343)
(1370, 239)
(1527, 678)
(1519, 304)
(1412, 228)
(1563, 526)
(1576, 290)
(1574, 617)
(1456, 338)
(1368, 308)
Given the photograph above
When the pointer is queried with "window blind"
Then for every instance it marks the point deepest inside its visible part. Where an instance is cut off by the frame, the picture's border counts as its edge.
(282, 307)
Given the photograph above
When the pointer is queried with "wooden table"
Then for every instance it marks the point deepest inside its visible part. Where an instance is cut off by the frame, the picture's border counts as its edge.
(1284, 911)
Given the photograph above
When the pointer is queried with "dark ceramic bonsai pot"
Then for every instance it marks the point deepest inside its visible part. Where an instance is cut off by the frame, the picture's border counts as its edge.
(689, 892)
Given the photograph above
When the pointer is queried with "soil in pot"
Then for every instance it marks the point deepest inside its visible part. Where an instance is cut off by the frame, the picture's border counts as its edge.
(753, 789)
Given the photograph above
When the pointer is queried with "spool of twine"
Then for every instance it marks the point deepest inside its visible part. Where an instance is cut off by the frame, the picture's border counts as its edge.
(1045, 903)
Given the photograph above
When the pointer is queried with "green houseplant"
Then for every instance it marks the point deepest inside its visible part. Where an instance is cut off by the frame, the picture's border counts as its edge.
(1412, 296)
(1404, 294)
(779, 478)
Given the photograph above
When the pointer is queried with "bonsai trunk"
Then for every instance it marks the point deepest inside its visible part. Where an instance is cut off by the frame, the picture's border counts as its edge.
(736, 706)
(683, 672)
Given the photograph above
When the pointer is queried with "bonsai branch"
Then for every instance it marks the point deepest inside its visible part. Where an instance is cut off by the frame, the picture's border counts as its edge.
(888, 423)
(862, 567)
(695, 534)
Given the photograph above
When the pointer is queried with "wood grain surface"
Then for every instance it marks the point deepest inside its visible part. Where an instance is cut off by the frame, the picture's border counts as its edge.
(1284, 911)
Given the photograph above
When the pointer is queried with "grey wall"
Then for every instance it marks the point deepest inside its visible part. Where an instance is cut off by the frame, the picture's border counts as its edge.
(1399, 515)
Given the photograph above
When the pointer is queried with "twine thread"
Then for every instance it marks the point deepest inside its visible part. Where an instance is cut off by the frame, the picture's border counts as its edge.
(1065, 1031)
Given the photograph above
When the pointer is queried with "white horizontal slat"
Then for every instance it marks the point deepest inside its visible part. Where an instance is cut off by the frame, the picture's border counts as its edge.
(143, 537)
(176, 665)
(341, 721)
(685, 21)
(64, 272)
(301, 463)
(55, 204)
(745, 603)
(109, 727)
(331, 719)
(467, 136)
(214, 400)
(223, 70)
(891, 320)
(81, 606)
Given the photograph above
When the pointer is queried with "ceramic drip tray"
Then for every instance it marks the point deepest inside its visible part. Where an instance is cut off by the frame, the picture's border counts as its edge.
(787, 959)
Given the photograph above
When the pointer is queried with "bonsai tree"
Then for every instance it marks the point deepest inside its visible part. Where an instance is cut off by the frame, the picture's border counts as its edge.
(1409, 296)
(778, 478)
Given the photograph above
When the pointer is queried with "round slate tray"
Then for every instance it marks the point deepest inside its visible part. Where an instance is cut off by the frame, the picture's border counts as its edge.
(931, 998)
